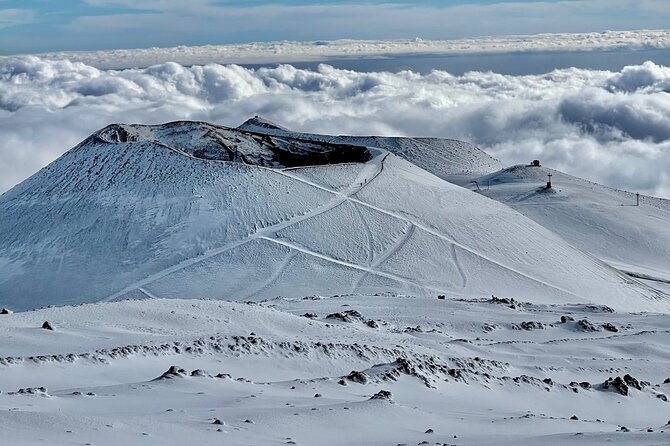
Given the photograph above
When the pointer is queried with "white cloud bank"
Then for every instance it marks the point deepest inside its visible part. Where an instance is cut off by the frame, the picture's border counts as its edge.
(613, 128)
(288, 51)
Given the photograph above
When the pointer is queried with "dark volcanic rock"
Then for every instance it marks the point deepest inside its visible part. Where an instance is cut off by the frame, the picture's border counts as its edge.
(173, 372)
(585, 325)
(346, 316)
(357, 377)
(632, 382)
(617, 384)
(47, 326)
(504, 301)
(529, 325)
(610, 327)
(382, 395)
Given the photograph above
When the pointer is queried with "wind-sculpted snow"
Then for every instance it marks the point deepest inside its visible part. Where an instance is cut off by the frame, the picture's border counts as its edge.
(610, 127)
(138, 211)
(334, 371)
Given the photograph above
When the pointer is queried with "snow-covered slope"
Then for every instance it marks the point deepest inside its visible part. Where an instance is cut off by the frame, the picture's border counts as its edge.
(138, 211)
(450, 159)
(602, 221)
(473, 372)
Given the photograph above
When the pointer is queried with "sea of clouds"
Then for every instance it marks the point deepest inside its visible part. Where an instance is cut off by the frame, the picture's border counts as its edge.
(611, 127)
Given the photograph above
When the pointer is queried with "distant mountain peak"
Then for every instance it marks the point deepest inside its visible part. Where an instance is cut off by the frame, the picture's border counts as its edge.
(260, 123)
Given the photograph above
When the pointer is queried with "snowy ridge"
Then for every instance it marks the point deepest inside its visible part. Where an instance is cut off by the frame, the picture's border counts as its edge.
(140, 212)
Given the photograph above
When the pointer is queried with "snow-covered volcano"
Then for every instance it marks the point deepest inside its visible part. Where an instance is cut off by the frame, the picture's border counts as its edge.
(192, 210)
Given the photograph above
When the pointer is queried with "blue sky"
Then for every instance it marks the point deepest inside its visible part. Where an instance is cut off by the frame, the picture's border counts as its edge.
(47, 25)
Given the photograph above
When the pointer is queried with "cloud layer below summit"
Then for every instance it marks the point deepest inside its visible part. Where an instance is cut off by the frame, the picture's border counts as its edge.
(611, 127)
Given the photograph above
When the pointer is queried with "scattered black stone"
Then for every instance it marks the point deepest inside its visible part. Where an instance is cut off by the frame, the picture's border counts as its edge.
(217, 422)
(430, 431)
(548, 381)
(441, 297)
(357, 377)
(574, 418)
(504, 301)
(662, 397)
(617, 384)
(667, 381)
(632, 382)
(455, 373)
(90, 394)
(598, 309)
(342, 382)
(198, 372)
(624, 429)
(416, 329)
(47, 326)
(317, 395)
(382, 395)
(565, 319)
(372, 324)
(346, 316)
(585, 385)
(610, 327)
(223, 375)
(173, 372)
(5, 311)
(248, 421)
(30, 391)
(310, 315)
(528, 325)
(585, 325)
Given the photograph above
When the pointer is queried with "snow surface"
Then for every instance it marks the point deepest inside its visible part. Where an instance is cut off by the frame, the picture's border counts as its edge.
(343, 302)
(136, 211)
(467, 370)
(291, 51)
(603, 221)
(597, 219)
